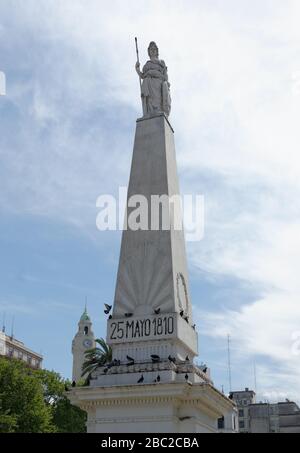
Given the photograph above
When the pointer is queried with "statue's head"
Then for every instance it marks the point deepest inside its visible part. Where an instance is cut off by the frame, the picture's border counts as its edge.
(153, 50)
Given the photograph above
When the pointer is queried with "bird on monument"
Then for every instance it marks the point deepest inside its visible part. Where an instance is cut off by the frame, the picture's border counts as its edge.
(187, 359)
(186, 318)
(155, 358)
(130, 360)
(181, 313)
(128, 315)
(107, 308)
(73, 384)
(172, 359)
(194, 327)
(157, 311)
(110, 317)
(141, 380)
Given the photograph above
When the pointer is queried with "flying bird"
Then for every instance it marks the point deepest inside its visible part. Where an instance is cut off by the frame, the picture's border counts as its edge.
(157, 311)
(107, 309)
(128, 315)
(141, 380)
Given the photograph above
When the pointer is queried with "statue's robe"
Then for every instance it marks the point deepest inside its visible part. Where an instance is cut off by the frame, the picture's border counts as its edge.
(155, 88)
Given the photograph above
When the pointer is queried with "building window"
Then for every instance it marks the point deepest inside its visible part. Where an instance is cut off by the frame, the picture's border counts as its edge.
(221, 423)
(86, 330)
(241, 412)
(241, 424)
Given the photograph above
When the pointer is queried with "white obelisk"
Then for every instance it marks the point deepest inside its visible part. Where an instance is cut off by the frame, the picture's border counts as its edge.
(152, 384)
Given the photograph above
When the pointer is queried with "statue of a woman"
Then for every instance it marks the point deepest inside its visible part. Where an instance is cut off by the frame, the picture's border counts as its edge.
(155, 87)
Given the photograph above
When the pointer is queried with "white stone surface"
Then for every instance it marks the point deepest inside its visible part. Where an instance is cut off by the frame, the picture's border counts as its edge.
(152, 269)
(168, 408)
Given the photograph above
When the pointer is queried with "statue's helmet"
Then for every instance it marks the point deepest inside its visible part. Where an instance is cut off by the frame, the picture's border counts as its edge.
(153, 45)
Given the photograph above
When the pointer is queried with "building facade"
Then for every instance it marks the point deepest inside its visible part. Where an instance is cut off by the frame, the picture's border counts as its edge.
(13, 348)
(283, 417)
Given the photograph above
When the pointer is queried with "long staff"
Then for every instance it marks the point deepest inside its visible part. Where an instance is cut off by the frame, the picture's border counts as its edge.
(138, 60)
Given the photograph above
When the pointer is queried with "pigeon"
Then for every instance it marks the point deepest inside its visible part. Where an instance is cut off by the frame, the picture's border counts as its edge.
(186, 377)
(172, 359)
(194, 327)
(158, 378)
(110, 317)
(155, 358)
(73, 384)
(187, 359)
(181, 313)
(186, 318)
(128, 315)
(204, 370)
(130, 360)
(107, 309)
(141, 380)
(157, 311)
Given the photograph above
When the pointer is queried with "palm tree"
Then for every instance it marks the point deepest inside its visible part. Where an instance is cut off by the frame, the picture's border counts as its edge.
(96, 357)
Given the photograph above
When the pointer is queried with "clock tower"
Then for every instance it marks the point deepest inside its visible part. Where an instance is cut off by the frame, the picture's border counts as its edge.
(83, 340)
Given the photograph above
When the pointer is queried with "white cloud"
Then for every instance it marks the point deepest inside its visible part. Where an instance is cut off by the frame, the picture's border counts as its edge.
(236, 119)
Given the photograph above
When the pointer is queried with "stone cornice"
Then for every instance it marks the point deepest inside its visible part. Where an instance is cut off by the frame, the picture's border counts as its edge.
(199, 395)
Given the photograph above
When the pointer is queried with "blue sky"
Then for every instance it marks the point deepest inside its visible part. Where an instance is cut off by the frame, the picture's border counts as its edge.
(66, 134)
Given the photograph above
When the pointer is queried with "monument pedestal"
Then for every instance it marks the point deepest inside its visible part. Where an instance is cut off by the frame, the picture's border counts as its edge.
(152, 408)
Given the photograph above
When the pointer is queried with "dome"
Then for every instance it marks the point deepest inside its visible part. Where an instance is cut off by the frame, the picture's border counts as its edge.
(85, 316)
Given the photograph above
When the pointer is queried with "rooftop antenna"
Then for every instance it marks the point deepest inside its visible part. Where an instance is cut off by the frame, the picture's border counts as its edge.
(254, 372)
(86, 299)
(12, 327)
(229, 362)
(3, 324)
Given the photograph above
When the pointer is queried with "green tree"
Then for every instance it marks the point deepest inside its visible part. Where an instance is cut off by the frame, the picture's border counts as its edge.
(22, 407)
(96, 357)
(34, 401)
(66, 417)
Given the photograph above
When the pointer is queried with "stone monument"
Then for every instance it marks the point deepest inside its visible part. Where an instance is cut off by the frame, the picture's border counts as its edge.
(152, 384)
